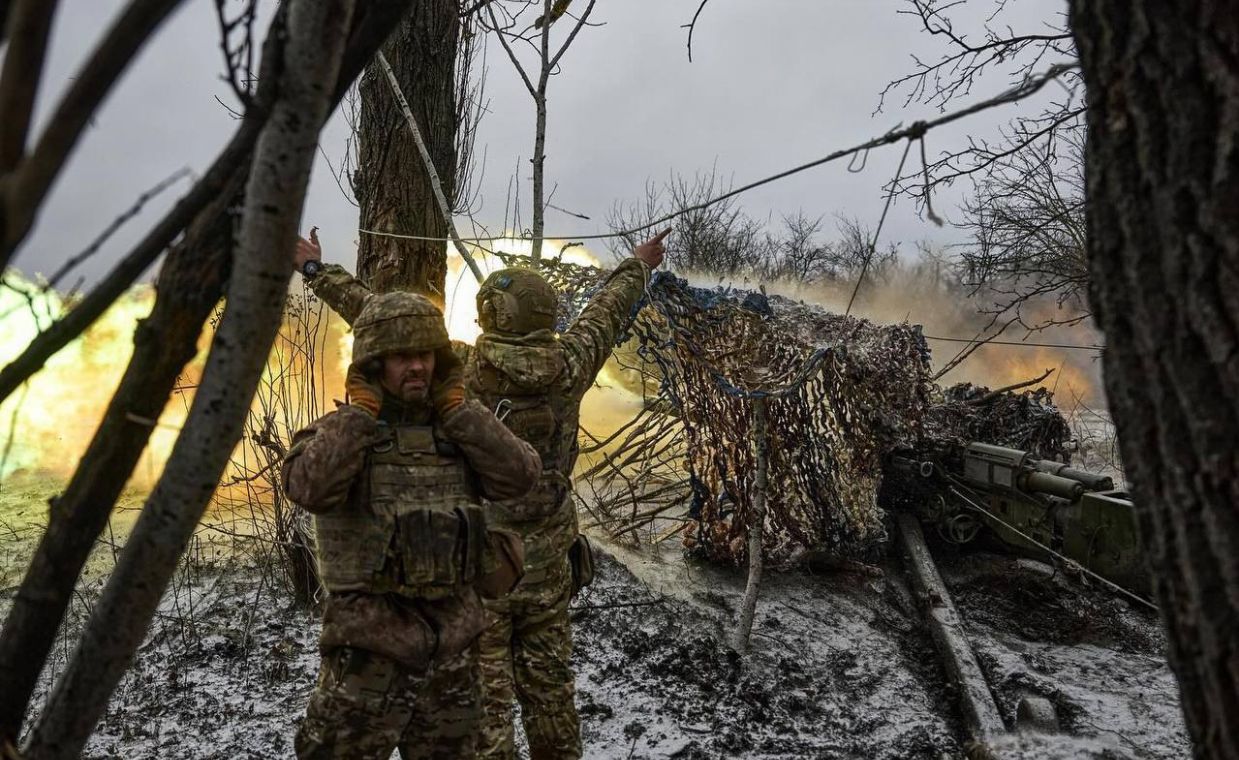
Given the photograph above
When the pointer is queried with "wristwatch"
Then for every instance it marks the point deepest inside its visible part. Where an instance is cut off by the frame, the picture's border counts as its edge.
(310, 268)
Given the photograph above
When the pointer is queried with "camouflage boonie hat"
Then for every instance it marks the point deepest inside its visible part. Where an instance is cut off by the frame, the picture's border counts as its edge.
(516, 301)
(393, 322)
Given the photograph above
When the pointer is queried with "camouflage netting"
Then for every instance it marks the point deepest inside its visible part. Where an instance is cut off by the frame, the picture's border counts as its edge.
(841, 393)
(1028, 421)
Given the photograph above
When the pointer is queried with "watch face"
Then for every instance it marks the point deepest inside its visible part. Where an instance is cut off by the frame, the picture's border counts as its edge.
(310, 268)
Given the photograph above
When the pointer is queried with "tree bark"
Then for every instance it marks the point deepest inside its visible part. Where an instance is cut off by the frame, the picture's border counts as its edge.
(189, 286)
(1163, 194)
(392, 186)
(284, 155)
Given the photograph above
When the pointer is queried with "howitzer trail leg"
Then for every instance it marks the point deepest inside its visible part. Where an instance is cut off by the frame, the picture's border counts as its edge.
(981, 716)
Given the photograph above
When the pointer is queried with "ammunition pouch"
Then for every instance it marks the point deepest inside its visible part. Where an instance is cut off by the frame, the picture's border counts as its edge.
(414, 525)
(441, 548)
(506, 565)
(581, 560)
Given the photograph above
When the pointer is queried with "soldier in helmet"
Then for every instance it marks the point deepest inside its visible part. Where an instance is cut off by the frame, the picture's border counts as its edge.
(534, 379)
(395, 480)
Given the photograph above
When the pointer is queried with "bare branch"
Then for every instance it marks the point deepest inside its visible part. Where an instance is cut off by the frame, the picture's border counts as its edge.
(1008, 388)
(428, 164)
(28, 23)
(692, 26)
(571, 36)
(23, 191)
(507, 48)
(238, 60)
(116, 224)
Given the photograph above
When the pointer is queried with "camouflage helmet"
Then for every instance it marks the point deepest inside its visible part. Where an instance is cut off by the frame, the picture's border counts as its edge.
(516, 301)
(394, 322)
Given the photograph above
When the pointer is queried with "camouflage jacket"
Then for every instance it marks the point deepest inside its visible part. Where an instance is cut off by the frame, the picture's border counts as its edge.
(563, 366)
(322, 473)
(327, 458)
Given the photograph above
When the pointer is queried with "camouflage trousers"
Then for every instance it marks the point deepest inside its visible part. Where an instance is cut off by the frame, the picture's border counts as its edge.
(525, 656)
(366, 705)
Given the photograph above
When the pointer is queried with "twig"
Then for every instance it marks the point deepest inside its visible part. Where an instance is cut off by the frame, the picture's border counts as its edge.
(970, 349)
(692, 26)
(1024, 90)
(1007, 388)
(114, 226)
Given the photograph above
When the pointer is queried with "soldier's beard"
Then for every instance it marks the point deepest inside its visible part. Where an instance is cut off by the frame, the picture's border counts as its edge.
(412, 390)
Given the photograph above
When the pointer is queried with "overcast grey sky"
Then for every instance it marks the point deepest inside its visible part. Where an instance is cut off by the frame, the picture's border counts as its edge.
(773, 83)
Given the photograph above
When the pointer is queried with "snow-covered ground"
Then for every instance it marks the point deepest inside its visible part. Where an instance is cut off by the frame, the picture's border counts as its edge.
(840, 666)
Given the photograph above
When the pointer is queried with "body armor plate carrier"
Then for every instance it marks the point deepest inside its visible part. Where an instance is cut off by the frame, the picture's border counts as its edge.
(413, 525)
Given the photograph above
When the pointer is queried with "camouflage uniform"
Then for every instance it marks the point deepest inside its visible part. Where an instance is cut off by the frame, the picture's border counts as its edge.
(536, 380)
(401, 541)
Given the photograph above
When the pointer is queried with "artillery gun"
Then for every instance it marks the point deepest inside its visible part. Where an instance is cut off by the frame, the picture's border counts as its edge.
(1033, 507)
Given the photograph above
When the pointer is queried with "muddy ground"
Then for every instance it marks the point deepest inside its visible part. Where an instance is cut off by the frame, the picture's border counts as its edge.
(840, 666)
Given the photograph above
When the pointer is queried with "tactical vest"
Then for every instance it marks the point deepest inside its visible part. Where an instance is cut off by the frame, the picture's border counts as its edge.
(544, 419)
(414, 524)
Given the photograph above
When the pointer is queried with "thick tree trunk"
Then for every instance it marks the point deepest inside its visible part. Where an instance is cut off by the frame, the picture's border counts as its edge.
(308, 69)
(1163, 217)
(392, 186)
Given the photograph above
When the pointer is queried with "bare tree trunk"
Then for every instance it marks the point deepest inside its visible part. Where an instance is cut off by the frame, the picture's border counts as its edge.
(539, 135)
(391, 184)
(257, 289)
(1163, 247)
(189, 285)
(757, 527)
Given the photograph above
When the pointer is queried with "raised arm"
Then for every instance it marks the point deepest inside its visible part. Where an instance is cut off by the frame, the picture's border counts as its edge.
(591, 338)
(332, 283)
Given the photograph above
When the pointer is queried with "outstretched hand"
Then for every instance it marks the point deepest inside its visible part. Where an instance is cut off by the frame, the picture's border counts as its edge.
(652, 250)
(307, 250)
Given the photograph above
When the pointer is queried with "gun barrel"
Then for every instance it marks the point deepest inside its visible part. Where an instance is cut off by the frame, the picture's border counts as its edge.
(1054, 485)
(1091, 480)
